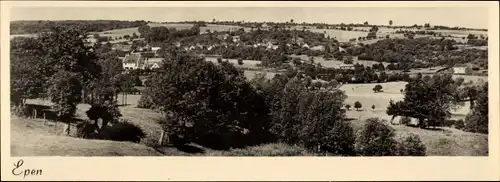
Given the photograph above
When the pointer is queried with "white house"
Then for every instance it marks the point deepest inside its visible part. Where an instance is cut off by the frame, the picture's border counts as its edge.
(132, 61)
(152, 63)
(459, 69)
(342, 50)
(236, 38)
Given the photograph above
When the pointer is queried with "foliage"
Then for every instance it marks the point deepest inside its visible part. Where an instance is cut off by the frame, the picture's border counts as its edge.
(65, 92)
(405, 120)
(376, 139)
(32, 27)
(477, 119)
(377, 88)
(357, 105)
(428, 100)
(322, 123)
(213, 105)
(348, 106)
(120, 131)
(411, 146)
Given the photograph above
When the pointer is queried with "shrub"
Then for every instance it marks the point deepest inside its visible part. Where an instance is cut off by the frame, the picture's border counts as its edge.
(145, 102)
(240, 61)
(376, 139)
(411, 146)
(405, 120)
(124, 131)
(459, 124)
(21, 111)
(377, 88)
(348, 106)
(120, 131)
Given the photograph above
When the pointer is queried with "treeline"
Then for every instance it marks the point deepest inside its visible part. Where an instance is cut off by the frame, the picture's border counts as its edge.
(420, 52)
(33, 27)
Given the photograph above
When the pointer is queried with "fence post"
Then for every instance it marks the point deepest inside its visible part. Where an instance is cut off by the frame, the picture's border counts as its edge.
(160, 142)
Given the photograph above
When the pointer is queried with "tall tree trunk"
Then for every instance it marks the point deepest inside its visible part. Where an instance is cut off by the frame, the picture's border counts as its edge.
(67, 128)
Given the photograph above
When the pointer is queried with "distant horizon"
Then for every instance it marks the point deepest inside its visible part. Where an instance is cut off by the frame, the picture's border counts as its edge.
(467, 17)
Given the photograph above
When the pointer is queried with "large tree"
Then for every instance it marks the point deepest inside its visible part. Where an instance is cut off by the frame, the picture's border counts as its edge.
(430, 100)
(212, 105)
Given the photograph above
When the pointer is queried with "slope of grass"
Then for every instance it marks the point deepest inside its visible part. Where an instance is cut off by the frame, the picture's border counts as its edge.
(31, 137)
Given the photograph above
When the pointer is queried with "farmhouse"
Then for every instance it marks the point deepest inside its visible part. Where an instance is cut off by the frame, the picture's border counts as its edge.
(342, 50)
(459, 69)
(236, 38)
(132, 61)
(318, 48)
(152, 63)
(345, 67)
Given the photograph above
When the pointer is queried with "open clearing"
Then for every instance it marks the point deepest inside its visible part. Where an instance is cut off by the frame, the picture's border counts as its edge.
(30, 137)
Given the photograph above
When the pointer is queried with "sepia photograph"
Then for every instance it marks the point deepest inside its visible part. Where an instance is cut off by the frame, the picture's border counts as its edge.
(263, 81)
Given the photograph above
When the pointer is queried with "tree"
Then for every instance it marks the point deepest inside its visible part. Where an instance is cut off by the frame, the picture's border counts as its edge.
(377, 88)
(373, 106)
(357, 105)
(390, 22)
(376, 139)
(212, 105)
(240, 61)
(430, 101)
(348, 107)
(348, 60)
(26, 77)
(365, 23)
(65, 92)
(477, 119)
(322, 123)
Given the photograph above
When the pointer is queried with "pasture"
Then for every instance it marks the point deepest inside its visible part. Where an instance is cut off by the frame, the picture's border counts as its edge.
(252, 64)
(335, 63)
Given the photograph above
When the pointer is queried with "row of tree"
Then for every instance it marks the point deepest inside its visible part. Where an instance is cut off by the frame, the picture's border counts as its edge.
(35, 27)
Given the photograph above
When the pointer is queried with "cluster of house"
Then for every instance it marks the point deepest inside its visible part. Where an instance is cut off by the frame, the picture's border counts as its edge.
(143, 58)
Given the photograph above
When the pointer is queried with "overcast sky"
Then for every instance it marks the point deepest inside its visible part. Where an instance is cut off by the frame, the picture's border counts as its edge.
(473, 17)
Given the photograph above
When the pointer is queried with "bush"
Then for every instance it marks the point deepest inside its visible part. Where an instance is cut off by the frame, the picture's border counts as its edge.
(377, 88)
(348, 106)
(376, 139)
(405, 120)
(411, 146)
(459, 124)
(145, 102)
(120, 131)
(21, 111)
(240, 61)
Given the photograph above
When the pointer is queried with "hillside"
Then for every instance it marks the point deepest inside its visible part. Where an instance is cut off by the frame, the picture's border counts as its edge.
(33, 138)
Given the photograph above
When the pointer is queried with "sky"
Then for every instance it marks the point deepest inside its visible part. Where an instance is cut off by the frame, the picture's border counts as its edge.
(471, 17)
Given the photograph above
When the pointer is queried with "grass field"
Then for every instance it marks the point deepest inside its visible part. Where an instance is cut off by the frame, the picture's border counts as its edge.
(336, 63)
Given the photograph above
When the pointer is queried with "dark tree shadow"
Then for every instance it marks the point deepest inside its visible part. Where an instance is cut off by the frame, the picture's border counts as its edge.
(189, 149)
(427, 128)
(350, 119)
